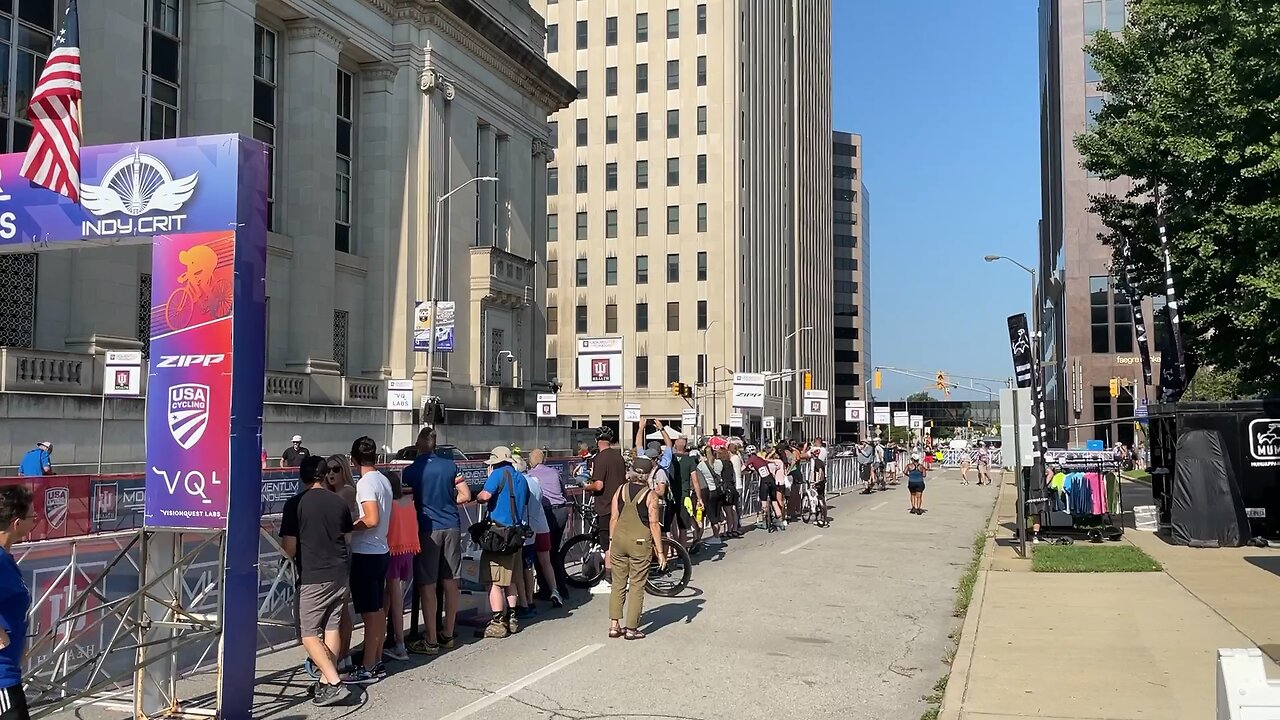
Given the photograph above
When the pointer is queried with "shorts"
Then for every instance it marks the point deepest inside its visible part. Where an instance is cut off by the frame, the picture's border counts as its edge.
(529, 554)
(676, 511)
(713, 505)
(320, 607)
(984, 467)
(768, 488)
(542, 542)
(440, 557)
(401, 567)
(915, 487)
(602, 530)
(498, 569)
(368, 581)
(13, 704)
(865, 472)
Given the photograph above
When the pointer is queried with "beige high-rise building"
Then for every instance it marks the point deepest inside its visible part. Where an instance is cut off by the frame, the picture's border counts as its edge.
(690, 203)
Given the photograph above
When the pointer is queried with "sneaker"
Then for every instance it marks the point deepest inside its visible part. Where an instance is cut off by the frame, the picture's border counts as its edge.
(556, 600)
(360, 676)
(331, 694)
(513, 623)
(379, 670)
(422, 647)
(761, 525)
(396, 652)
(446, 642)
(496, 629)
(783, 525)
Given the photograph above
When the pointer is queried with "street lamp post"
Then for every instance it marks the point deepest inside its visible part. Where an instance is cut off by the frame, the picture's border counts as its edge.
(706, 372)
(786, 418)
(435, 285)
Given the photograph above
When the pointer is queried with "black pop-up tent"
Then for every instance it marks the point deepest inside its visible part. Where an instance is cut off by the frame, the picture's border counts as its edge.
(1216, 470)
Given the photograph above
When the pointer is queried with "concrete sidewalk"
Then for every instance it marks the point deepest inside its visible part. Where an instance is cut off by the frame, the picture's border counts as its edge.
(1101, 647)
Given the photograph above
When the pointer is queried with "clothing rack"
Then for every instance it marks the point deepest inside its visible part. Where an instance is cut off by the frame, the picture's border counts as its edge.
(1061, 516)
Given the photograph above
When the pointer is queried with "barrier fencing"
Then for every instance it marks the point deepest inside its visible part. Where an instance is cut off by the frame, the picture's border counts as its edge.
(91, 619)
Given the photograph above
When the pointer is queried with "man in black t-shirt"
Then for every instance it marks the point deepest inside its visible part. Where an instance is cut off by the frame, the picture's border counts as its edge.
(314, 530)
(295, 453)
(608, 473)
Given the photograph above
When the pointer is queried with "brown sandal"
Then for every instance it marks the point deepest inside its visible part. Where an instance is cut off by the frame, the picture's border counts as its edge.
(615, 632)
(635, 634)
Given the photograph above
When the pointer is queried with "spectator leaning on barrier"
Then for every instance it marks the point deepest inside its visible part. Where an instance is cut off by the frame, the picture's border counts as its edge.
(507, 495)
(37, 461)
(295, 453)
(403, 543)
(556, 507)
(370, 556)
(17, 519)
(314, 528)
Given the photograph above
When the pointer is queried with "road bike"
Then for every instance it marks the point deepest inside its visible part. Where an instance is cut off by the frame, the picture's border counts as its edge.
(582, 557)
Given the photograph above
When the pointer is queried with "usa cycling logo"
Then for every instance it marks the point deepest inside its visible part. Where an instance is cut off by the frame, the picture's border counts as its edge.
(56, 502)
(1264, 442)
(135, 186)
(188, 413)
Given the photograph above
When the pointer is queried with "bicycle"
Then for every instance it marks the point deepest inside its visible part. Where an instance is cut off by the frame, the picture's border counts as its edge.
(811, 510)
(582, 557)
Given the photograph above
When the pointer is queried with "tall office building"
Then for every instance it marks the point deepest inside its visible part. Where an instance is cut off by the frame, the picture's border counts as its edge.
(1087, 322)
(690, 200)
(850, 260)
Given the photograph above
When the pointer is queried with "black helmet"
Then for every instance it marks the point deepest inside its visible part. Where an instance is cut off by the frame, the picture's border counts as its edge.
(607, 434)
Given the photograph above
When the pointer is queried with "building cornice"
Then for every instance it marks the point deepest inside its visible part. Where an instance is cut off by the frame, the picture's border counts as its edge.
(315, 29)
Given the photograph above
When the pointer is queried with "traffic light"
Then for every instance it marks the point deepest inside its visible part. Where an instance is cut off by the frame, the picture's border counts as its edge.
(877, 381)
(682, 390)
(1115, 387)
(941, 381)
(808, 381)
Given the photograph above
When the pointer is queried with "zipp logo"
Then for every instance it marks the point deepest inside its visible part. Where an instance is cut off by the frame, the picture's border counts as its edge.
(177, 361)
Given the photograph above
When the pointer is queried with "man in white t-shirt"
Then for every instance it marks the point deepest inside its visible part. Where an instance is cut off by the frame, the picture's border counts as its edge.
(370, 556)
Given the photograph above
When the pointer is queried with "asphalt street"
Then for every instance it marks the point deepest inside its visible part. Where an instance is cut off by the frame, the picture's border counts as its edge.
(849, 621)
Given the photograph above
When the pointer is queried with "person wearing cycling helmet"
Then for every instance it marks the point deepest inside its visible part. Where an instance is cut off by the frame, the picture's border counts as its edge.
(608, 473)
(916, 471)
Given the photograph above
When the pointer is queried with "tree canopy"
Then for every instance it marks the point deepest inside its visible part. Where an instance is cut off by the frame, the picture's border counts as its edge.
(1193, 107)
(918, 397)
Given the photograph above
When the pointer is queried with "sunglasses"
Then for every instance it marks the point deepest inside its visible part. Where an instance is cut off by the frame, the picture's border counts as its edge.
(335, 468)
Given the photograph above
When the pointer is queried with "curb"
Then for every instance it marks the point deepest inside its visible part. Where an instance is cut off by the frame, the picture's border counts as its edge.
(962, 663)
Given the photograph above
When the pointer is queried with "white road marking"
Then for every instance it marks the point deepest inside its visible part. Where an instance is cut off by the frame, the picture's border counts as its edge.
(877, 507)
(522, 683)
(790, 550)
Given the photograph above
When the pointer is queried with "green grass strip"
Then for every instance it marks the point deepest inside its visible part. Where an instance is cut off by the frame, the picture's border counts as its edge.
(1091, 559)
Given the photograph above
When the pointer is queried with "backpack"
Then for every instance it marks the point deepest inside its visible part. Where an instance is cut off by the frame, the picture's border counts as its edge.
(502, 539)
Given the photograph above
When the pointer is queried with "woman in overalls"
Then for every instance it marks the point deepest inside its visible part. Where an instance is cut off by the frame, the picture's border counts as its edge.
(635, 529)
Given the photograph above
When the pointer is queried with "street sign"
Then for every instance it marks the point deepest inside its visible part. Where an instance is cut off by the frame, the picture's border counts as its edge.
(917, 422)
(122, 374)
(766, 423)
(816, 402)
(735, 420)
(748, 390)
(631, 412)
(901, 419)
(547, 405)
(882, 415)
(600, 363)
(855, 410)
(400, 395)
(688, 419)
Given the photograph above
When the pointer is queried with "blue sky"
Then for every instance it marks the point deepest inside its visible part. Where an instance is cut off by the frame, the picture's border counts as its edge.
(945, 95)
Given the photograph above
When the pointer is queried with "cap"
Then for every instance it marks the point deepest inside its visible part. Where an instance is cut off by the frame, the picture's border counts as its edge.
(297, 438)
(642, 465)
(499, 455)
(915, 456)
(46, 444)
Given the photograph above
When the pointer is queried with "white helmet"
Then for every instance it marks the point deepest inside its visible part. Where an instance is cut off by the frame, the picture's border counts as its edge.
(915, 456)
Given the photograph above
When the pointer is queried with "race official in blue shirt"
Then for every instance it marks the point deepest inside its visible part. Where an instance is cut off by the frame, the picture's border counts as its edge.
(37, 461)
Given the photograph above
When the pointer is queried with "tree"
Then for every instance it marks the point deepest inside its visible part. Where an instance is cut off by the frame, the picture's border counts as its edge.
(1193, 108)
(919, 397)
(1214, 384)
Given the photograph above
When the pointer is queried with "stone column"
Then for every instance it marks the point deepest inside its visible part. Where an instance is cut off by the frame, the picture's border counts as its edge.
(486, 148)
(536, 366)
(434, 180)
(381, 198)
(307, 177)
(219, 75)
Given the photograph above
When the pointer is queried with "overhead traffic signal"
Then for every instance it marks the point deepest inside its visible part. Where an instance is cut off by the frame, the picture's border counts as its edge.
(1115, 387)
(808, 381)
(941, 381)
(877, 379)
(683, 390)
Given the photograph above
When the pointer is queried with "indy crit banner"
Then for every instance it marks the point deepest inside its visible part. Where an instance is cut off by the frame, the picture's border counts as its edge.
(1139, 321)
(1020, 345)
(1174, 373)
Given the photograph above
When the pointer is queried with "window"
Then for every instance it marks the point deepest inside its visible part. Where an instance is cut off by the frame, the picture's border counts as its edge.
(673, 24)
(611, 268)
(673, 267)
(580, 273)
(611, 318)
(642, 269)
(1090, 73)
(553, 133)
(264, 108)
(580, 319)
(642, 174)
(1098, 304)
(581, 134)
(642, 371)
(702, 368)
(1101, 412)
(673, 124)
(1092, 106)
(702, 19)
(18, 275)
(673, 219)
(553, 181)
(1115, 15)
(702, 119)
(553, 368)
(673, 369)
(673, 316)
(642, 27)
(1122, 316)
(611, 31)
(582, 176)
(553, 319)
(642, 222)
(673, 172)
(611, 82)
(611, 176)
(702, 169)
(702, 265)
(642, 77)
(611, 129)
(553, 274)
(342, 181)
(702, 217)
(1092, 17)
(583, 35)
(642, 126)
(702, 314)
(163, 50)
(642, 317)
(702, 71)
(553, 38)
(673, 74)
(611, 224)
(581, 84)
(582, 226)
(553, 227)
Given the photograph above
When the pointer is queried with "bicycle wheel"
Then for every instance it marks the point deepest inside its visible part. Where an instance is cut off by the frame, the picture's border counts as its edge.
(672, 580)
(583, 561)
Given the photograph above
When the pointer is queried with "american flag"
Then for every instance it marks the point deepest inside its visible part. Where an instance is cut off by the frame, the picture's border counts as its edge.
(53, 158)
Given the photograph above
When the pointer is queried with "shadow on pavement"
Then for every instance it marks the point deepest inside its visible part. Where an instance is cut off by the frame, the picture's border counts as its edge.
(655, 619)
(1269, 563)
